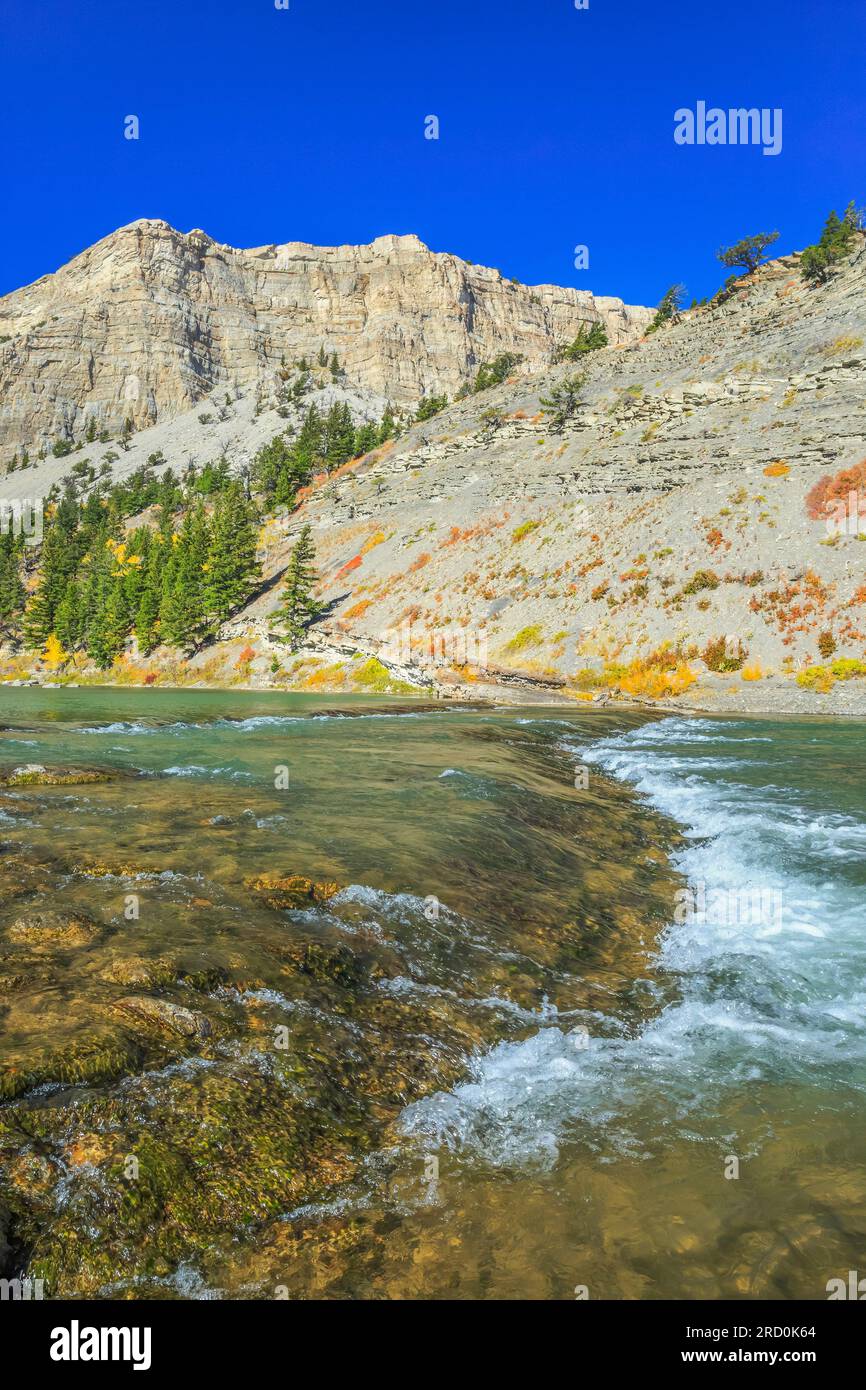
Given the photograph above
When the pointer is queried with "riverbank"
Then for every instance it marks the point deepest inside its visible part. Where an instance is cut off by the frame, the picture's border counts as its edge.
(767, 696)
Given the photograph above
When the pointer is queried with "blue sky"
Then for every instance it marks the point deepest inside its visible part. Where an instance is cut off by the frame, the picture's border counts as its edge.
(556, 128)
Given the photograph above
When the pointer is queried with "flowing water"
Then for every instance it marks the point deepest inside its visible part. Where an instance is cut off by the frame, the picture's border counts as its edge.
(359, 999)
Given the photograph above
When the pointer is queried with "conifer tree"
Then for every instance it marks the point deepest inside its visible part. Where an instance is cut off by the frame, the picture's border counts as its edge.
(12, 592)
(298, 607)
(182, 622)
(69, 618)
(231, 565)
(57, 563)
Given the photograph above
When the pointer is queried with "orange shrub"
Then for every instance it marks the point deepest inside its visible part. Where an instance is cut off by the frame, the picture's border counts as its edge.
(835, 488)
(359, 609)
(347, 568)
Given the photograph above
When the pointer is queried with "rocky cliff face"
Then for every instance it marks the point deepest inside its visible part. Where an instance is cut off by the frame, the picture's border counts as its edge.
(150, 320)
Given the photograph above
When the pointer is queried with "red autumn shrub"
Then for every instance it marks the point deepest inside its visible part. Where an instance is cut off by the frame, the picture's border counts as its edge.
(352, 565)
(835, 487)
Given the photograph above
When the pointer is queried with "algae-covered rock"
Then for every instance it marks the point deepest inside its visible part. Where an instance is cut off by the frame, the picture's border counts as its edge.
(92, 1058)
(50, 929)
(37, 775)
(162, 1014)
(336, 964)
(135, 970)
(291, 891)
(101, 868)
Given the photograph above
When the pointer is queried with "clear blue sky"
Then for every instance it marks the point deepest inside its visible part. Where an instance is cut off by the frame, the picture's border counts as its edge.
(263, 125)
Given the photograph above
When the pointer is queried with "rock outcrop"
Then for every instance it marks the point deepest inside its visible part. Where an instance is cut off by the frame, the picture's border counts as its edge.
(149, 321)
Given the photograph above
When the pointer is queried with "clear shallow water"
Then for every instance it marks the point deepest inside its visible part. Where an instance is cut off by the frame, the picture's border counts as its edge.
(552, 1057)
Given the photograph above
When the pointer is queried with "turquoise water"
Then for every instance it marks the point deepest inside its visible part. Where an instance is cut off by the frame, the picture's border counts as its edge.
(541, 1033)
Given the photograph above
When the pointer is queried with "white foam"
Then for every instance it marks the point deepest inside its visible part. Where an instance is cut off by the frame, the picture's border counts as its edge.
(779, 999)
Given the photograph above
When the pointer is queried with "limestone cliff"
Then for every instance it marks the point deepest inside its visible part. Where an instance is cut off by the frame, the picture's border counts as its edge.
(150, 320)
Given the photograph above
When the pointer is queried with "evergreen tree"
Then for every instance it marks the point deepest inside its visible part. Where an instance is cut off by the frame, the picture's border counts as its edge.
(386, 427)
(298, 607)
(69, 618)
(57, 564)
(12, 592)
(181, 616)
(748, 253)
(231, 564)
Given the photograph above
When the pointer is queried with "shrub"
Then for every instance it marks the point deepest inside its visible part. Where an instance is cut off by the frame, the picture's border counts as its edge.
(719, 656)
(847, 667)
(835, 487)
(816, 678)
(656, 683)
(779, 469)
(526, 637)
(520, 531)
(700, 580)
(826, 644)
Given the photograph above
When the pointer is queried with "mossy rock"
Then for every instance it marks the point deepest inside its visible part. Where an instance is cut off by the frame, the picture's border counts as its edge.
(332, 964)
(137, 971)
(51, 929)
(37, 775)
(164, 1016)
(291, 891)
(89, 1059)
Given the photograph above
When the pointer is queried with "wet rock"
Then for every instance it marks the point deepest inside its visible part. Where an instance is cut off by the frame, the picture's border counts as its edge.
(37, 775)
(89, 1059)
(135, 970)
(45, 929)
(162, 1014)
(335, 964)
(292, 891)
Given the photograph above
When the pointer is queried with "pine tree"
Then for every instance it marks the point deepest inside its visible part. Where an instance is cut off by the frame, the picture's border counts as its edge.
(298, 607)
(146, 615)
(231, 564)
(12, 592)
(182, 622)
(69, 618)
(57, 564)
(387, 426)
(108, 631)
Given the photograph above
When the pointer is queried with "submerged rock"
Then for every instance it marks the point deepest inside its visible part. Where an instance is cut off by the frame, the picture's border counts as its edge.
(337, 964)
(293, 891)
(163, 1014)
(55, 929)
(135, 970)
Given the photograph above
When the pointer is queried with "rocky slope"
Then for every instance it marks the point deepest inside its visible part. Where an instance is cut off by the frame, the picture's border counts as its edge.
(149, 320)
(488, 549)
